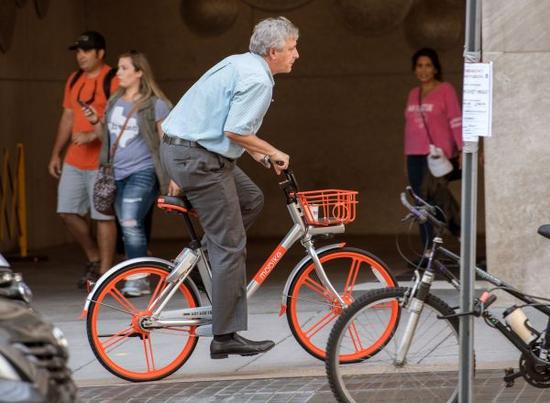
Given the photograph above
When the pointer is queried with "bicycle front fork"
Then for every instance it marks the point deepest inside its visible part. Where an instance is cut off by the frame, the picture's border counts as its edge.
(414, 306)
(308, 245)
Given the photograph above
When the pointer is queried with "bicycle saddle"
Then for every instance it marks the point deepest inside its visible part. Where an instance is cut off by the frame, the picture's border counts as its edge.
(175, 204)
(544, 230)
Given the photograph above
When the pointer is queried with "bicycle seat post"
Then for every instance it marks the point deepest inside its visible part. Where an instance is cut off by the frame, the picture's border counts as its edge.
(194, 242)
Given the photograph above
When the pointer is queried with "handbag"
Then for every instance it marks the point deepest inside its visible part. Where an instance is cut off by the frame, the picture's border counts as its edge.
(438, 163)
(104, 191)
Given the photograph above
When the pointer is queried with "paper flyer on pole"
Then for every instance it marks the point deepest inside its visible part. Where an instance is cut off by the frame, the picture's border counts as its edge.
(477, 101)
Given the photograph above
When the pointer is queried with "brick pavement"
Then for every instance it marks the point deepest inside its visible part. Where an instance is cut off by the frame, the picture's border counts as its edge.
(488, 387)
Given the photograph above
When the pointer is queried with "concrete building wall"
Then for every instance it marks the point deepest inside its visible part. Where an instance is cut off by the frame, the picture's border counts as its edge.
(516, 38)
(339, 114)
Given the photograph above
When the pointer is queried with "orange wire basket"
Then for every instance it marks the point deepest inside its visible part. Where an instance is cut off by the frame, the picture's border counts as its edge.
(329, 206)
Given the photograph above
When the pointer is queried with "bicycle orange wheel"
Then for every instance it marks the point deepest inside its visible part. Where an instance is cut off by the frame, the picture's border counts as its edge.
(312, 309)
(121, 344)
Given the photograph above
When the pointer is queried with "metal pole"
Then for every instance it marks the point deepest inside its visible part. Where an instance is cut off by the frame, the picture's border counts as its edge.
(472, 54)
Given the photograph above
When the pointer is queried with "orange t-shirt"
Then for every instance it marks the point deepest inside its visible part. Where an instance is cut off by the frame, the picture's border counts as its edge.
(89, 90)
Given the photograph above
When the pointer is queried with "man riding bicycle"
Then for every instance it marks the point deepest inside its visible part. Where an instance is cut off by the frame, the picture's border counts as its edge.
(212, 125)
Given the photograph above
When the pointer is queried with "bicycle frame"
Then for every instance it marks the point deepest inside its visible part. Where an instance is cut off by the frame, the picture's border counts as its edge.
(203, 315)
(193, 255)
(422, 288)
(509, 289)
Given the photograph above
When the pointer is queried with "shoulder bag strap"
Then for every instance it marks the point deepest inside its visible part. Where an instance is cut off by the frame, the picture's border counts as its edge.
(115, 144)
(422, 115)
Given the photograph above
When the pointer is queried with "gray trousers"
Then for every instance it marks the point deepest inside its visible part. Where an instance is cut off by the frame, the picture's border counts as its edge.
(227, 203)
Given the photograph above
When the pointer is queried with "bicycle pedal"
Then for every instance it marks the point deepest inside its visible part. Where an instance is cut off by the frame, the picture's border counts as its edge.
(509, 377)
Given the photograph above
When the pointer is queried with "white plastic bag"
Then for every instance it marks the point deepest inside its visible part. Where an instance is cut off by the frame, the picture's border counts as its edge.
(438, 164)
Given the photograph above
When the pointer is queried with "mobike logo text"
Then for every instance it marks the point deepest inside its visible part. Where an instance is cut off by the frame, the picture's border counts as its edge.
(270, 264)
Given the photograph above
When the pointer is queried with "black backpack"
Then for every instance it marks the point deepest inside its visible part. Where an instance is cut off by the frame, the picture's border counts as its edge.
(106, 81)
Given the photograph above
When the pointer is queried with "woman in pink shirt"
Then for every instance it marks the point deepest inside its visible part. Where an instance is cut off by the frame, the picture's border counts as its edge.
(432, 116)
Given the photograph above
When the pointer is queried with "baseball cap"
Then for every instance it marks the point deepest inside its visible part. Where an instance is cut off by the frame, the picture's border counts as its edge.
(89, 40)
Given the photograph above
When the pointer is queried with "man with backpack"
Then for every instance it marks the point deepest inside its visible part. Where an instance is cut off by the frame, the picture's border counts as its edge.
(90, 85)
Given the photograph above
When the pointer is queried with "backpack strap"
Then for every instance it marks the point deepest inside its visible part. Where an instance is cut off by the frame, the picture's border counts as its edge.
(107, 81)
(75, 78)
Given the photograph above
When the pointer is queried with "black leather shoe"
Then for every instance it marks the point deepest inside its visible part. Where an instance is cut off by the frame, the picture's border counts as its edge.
(238, 345)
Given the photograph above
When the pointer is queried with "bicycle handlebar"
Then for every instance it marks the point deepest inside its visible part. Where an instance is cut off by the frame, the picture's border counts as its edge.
(424, 212)
(290, 184)
(428, 206)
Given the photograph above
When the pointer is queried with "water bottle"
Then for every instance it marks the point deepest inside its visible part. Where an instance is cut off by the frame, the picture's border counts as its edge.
(518, 322)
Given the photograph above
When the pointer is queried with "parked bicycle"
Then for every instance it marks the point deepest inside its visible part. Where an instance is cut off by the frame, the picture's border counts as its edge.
(408, 337)
(149, 338)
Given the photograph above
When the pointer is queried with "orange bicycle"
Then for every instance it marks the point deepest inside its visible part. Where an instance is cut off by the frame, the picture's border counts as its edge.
(150, 337)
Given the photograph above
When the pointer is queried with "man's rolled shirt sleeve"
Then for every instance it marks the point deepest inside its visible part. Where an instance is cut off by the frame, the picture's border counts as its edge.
(248, 108)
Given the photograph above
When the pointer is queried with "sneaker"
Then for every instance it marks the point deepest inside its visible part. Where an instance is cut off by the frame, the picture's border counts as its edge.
(91, 273)
(136, 288)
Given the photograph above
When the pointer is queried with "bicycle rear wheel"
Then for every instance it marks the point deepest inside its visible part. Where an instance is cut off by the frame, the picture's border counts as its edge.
(430, 370)
(118, 341)
(312, 309)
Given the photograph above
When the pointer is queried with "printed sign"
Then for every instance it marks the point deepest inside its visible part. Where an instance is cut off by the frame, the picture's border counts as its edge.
(477, 101)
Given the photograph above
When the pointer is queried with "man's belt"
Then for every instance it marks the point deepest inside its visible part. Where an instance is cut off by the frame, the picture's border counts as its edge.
(179, 141)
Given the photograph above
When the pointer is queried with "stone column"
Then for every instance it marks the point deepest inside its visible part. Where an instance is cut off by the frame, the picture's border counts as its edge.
(516, 38)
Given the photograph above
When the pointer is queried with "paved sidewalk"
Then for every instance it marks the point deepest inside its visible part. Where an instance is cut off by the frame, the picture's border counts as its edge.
(488, 388)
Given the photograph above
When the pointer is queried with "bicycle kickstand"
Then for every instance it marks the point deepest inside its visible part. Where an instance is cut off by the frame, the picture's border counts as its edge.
(510, 376)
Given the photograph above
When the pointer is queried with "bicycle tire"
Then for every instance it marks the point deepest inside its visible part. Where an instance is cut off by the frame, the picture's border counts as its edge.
(303, 309)
(126, 363)
(434, 347)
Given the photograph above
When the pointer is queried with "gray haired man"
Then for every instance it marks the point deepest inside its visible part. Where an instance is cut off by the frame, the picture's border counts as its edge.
(212, 125)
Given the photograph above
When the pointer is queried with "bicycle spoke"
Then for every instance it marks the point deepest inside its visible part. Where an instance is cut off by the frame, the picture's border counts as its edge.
(175, 330)
(445, 338)
(317, 288)
(356, 340)
(161, 286)
(395, 339)
(122, 300)
(421, 326)
(112, 340)
(149, 358)
(352, 276)
(112, 307)
(325, 320)
(316, 302)
(370, 330)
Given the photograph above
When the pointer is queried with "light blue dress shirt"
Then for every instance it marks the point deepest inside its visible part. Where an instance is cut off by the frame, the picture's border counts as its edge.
(232, 96)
